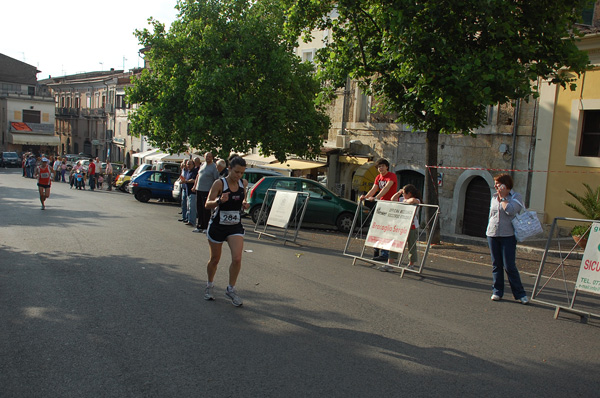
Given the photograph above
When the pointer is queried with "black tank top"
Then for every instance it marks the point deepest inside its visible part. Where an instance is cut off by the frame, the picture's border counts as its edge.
(228, 213)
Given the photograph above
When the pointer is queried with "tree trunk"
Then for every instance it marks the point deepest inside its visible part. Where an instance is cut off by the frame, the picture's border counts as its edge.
(431, 159)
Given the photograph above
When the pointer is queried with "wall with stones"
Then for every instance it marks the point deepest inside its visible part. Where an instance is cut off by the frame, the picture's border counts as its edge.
(405, 150)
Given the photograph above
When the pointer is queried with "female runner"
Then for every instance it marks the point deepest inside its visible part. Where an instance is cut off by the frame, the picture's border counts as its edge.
(44, 176)
(228, 197)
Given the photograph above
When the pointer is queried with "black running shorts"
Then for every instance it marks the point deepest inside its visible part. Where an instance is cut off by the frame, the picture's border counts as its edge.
(219, 233)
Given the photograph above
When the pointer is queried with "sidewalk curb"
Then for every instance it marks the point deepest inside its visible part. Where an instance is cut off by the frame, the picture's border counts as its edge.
(523, 248)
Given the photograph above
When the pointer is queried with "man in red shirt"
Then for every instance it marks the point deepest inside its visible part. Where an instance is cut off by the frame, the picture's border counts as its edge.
(92, 174)
(385, 186)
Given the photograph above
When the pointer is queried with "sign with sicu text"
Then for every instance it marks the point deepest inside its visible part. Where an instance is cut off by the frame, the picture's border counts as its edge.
(588, 279)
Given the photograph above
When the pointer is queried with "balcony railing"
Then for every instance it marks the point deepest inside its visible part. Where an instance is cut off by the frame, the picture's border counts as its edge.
(94, 112)
(67, 112)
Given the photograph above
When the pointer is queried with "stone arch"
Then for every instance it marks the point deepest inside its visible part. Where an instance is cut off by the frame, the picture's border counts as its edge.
(460, 191)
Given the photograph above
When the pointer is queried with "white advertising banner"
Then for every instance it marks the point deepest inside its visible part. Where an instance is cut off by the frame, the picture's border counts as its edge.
(589, 271)
(390, 226)
(282, 208)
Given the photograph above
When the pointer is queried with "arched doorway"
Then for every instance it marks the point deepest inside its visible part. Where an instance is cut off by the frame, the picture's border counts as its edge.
(411, 177)
(477, 207)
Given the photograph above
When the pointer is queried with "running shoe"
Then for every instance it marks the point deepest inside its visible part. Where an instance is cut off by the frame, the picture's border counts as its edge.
(208, 293)
(235, 299)
(495, 297)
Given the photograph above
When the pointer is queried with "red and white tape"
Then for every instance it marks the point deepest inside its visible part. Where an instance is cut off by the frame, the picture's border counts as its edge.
(527, 171)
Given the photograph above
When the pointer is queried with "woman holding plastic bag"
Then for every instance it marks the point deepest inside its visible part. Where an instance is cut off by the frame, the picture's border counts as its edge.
(505, 204)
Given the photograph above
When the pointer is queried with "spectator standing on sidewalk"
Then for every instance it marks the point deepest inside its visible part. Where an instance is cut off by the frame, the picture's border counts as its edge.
(186, 188)
(192, 207)
(207, 175)
(24, 163)
(222, 167)
(199, 207)
(109, 175)
(384, 187)
(505, 204)
(183, 209)
(92, 175)
(63, 169)
(56, 168)
(98, 165)
(30, 165)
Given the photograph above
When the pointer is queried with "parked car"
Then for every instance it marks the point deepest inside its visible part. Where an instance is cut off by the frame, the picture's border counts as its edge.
(167, 166)
(254, 175)
(71, 160)
(324, 207)
(152, 184)
(85, 163)
(141, 168)
(123, 179)
(10, 159)
(176, 193)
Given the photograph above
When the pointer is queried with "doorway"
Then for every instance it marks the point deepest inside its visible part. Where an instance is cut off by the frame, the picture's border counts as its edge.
(477, 208)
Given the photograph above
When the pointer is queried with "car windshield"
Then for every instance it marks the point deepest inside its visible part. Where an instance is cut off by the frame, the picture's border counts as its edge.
(10, 155)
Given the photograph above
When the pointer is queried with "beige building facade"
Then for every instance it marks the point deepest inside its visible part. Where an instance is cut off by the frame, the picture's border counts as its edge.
(26, 110)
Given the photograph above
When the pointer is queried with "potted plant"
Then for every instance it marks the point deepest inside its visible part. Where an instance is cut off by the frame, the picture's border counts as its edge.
(580, 234)
(588, 205)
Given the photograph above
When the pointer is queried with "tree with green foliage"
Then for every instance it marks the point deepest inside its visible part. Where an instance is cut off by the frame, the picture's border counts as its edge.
(438, 64)
(222, 78)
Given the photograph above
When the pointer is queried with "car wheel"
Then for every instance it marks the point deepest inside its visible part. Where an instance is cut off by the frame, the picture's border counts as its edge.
(344, 222)
(123, 186)
(255, 212)
(143, 196)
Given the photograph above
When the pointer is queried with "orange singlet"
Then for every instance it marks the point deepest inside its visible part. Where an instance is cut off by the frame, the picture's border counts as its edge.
(45, 176)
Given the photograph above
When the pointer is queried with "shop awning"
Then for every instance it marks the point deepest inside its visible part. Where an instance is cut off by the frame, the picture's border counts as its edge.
(35, 139)
(154, 157)
(364, 177)
(142, 155)
(255, 159)
(295, 164)
(176, 157)
(165, 157)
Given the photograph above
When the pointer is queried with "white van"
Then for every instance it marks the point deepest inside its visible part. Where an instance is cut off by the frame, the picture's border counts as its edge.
(167, 166)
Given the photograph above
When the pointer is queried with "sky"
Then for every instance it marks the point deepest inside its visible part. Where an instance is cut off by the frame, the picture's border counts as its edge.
(65, 37)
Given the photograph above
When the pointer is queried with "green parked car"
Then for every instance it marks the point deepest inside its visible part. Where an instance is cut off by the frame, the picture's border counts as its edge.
(324, 207)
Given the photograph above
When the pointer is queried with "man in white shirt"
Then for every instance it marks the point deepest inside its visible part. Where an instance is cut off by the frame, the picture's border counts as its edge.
(108, 175)
(206, 176)
(56, 167)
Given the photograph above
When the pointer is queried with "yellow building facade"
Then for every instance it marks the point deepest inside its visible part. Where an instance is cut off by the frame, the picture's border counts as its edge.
(567, 152)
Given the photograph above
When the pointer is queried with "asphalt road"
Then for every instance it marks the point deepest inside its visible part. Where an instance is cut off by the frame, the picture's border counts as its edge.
(101, 296)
